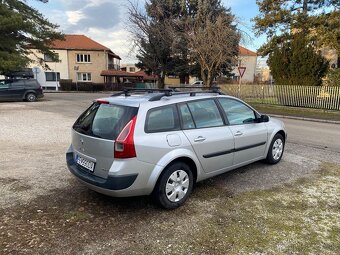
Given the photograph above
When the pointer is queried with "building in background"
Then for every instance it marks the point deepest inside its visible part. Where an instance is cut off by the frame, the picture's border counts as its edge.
(130, 68)
(247, 59)
(81, 59)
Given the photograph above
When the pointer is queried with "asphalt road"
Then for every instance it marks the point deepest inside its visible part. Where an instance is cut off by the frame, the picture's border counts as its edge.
(320, 135)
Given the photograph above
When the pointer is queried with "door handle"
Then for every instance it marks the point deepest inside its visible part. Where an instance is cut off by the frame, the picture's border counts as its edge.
(199, 139)
(238, 133)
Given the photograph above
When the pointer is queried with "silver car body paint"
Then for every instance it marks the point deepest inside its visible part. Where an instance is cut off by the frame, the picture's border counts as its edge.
(155, 151)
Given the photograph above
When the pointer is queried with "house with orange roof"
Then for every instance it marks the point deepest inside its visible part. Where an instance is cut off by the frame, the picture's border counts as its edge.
(247, 59)
(81, 59)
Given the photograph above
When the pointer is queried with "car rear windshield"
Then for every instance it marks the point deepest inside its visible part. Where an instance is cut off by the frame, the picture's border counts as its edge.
(104, 120)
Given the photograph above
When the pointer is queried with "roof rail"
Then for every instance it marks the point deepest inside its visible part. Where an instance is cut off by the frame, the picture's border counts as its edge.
(191, 93)
(126, 91)
(213, 88)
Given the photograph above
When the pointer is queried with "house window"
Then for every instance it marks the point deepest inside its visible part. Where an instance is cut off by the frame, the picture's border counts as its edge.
(132, 69)
(83, 58)
(52, 76)
(48, 58)
(84, 76)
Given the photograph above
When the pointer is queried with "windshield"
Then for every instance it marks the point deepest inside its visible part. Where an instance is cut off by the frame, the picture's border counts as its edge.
(104, 120)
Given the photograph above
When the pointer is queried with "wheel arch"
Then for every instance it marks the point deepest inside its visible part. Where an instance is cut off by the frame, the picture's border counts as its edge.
(187, 161)
(279, 131)
(28, 92)
(159, 169)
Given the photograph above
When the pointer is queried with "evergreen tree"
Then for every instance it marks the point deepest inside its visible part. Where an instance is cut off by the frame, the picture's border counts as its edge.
(297, 63)
(22, 27)
(163, 41)
(279, 20)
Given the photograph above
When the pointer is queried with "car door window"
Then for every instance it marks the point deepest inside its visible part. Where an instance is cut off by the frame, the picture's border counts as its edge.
(237, 112)
(4, 84)
(205, 113)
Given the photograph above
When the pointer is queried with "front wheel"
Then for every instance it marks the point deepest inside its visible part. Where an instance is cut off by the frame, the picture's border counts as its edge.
(174, 186)
(276, 149)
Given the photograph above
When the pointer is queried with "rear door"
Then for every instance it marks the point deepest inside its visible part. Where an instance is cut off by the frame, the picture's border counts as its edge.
(17, 89)
(210, 138)
(94, 134)
(250, 135)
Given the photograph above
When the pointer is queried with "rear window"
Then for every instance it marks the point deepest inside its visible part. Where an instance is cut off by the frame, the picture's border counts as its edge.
(104, 120)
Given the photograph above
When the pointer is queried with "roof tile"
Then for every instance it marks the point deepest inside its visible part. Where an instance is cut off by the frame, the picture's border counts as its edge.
(245, 52)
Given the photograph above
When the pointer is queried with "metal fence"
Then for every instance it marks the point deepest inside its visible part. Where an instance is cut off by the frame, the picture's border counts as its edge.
(289, 95)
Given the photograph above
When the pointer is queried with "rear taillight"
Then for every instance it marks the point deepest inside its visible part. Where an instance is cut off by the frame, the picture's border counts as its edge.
(124, 145)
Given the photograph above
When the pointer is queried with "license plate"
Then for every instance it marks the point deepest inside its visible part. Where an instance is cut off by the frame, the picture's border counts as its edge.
(85, 163)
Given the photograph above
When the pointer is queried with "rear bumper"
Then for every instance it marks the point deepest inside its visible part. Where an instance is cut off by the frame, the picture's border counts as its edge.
(111, 183)
(126, 178)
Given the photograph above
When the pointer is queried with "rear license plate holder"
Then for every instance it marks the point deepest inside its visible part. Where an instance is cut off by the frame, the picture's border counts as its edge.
(85, 163)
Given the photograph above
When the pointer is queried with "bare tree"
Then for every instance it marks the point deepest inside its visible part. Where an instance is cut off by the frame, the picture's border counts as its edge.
(212, 44)
(152, 41)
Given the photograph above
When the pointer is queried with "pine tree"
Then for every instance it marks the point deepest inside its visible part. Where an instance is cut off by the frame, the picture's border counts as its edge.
(280, 20)
(22, 27)
(297, 63)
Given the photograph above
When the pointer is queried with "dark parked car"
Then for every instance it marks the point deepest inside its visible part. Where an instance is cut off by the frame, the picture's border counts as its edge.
(20, 89)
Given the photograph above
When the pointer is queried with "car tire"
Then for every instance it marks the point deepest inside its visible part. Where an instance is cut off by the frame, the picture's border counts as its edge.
(30, 97)
(276, 149)
(174, 186)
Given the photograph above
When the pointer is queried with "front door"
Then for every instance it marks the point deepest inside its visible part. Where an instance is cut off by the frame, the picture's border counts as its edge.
(250, 135)
(210, 138)
(4, 90)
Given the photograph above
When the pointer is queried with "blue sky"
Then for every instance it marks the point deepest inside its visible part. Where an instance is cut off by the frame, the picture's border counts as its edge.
(106, 21)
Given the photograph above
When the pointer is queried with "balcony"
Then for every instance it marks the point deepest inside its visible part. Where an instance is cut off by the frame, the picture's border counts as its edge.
(113, 66)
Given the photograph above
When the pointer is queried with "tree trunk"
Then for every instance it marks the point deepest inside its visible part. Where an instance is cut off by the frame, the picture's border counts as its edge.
(209, 79)
(204, 78)
(161, 79)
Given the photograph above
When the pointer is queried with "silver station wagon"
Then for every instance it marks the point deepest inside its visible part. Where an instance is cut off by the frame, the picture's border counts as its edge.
(161, 142)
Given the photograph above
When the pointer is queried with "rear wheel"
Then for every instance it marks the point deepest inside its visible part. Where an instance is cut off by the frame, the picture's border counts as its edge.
(174, 186)
(31, 97)
(276, 149)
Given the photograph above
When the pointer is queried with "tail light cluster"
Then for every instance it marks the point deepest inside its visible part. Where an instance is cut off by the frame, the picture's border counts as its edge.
(124, 145)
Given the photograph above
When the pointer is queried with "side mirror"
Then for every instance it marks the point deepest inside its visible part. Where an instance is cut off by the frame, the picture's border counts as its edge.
(264, 118)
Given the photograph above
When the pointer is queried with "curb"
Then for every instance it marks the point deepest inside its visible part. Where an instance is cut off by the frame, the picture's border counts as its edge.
(305, 119)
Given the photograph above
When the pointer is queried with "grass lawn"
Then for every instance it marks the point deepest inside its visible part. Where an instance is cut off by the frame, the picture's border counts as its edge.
(296, 111)
(299, 218)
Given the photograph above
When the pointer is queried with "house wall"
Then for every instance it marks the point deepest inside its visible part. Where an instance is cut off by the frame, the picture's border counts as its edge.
(129, 68)
(331, 56)
(250, 63)
(39, 71)
(172, 80)
(98, 63)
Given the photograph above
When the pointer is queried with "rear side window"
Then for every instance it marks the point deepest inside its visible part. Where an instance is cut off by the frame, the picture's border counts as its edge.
(17, 84)
(162, 119)
(205, 113)
(104, 120)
